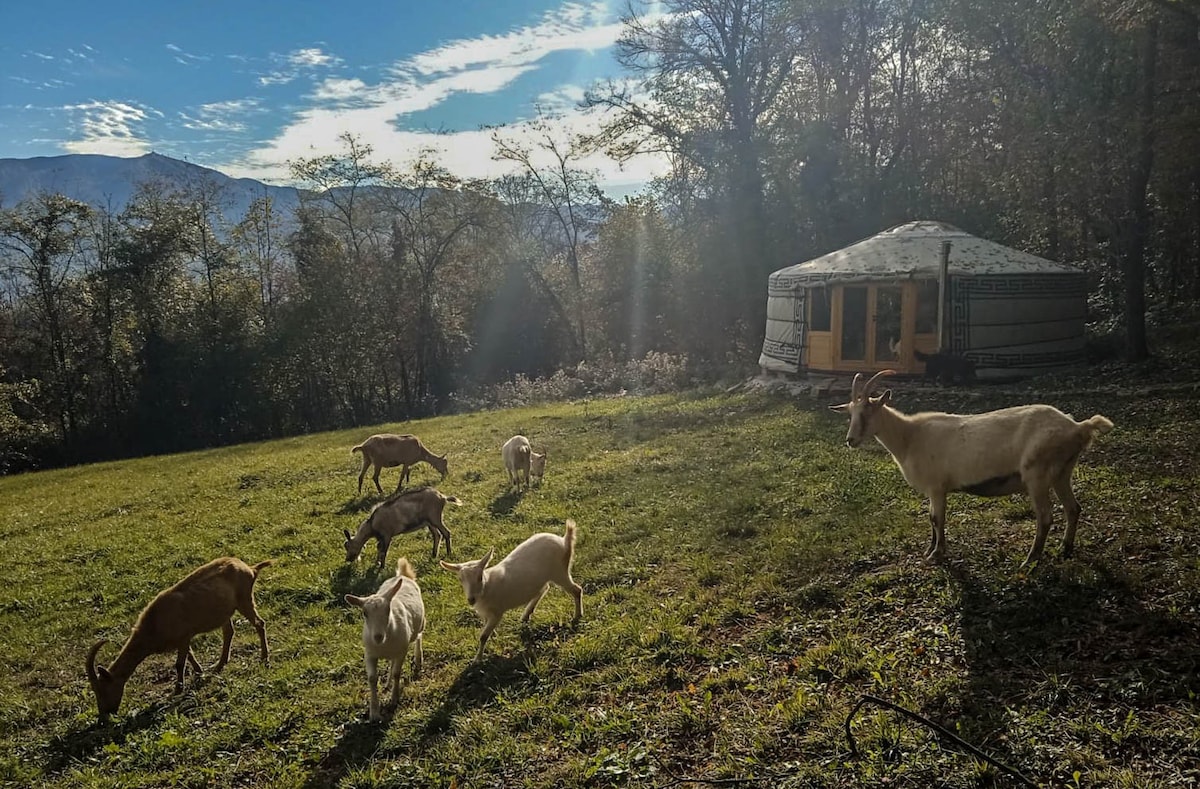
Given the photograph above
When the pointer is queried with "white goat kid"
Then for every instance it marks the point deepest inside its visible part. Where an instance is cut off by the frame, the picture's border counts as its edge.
(520, 459)
(1029, 449)
(393, 621)
(521, 578)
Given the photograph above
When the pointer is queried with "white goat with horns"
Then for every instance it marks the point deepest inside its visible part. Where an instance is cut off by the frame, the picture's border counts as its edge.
(1027, 449)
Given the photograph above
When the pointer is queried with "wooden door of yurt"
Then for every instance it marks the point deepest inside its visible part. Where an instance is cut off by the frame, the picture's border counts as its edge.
(869, 326)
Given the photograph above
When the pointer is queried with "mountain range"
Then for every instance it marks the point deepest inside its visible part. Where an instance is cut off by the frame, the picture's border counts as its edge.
(109, 181)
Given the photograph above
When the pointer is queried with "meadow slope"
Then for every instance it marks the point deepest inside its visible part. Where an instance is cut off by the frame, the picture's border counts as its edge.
(746, 579)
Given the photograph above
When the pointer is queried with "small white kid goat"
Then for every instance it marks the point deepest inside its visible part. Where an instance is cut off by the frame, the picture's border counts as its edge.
(393, 621)
(521, 578)
(1027, 449)
(519, 458)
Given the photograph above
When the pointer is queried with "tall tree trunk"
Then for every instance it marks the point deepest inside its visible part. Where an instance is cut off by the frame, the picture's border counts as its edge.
(1133, 264)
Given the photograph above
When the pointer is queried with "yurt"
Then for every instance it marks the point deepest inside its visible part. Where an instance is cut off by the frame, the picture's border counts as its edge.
(925, 286)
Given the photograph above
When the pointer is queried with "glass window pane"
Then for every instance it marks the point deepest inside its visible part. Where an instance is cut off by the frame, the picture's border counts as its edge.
(854, 323)
(887, 324)
(819, 314)
(927, 306)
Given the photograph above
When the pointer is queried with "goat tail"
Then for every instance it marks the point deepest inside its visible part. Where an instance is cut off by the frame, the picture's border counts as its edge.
(569, 543)
(255, 568)
(404, 567)
(455, 500)
(1097, 425)
(356, 449)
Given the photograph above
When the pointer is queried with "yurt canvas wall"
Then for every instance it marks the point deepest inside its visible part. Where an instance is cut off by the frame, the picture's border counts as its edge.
(871, 305)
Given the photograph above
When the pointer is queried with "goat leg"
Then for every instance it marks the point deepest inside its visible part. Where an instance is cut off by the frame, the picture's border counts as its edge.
(226, 642)
(373, 683)
(937, 519)
(195, 664)
(1071, 509)
(484, 636)
(181, 659)
(1042, 508)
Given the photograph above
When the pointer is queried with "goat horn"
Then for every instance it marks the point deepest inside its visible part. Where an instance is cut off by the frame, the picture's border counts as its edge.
(91, 659)
(854, 386)
(866, 390)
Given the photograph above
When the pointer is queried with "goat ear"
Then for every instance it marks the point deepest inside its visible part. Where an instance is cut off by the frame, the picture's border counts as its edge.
(841, 409)
(354, 600)
(486, 560)
(102, 672)
(390, 593)
(884, 398)
(347, 533)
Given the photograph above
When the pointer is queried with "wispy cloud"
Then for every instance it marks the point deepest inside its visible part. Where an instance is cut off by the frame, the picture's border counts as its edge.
(295, 63)
(111, 128)
(223, 116)
(312, 57)
(573, 26)
(375, 111)
(186, 58)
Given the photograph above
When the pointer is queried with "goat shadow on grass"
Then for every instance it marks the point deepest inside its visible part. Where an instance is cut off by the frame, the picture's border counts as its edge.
(1065, 631)
(504, 504)
(79, 745)
(344, 580)
(476, 686)
(359, 505)
(356, 745)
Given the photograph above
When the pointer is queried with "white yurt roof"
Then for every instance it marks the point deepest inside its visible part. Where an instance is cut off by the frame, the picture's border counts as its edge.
(913, 251)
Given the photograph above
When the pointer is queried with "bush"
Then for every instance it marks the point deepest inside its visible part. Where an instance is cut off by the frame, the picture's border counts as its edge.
(656, 373)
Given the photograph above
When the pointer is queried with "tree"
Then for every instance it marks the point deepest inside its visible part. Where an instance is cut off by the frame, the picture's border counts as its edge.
(566, 194)
(41, 240)
(711, 73)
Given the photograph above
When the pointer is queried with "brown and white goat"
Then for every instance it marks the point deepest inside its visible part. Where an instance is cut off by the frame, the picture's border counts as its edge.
(203, 601)
(1028, 449)
(400, 514)
(387, 450)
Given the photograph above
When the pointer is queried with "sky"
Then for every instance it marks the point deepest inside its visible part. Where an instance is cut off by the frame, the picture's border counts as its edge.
(246, 87)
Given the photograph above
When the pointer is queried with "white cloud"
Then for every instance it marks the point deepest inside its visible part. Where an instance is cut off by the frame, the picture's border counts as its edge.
(222, 116)
(110, 128)
(184, 57)
(296, 62)
(311, 58)
(570, 27)
(481, 65)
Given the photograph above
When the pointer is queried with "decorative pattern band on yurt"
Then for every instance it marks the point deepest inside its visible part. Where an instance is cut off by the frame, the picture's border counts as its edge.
(876, 304)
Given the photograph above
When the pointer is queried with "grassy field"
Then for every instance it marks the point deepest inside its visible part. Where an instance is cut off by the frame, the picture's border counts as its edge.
(746, 578)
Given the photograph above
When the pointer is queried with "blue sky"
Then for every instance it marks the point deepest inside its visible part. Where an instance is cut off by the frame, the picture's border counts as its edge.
(245, 87)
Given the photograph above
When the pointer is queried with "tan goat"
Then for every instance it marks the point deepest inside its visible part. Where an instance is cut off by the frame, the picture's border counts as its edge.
(203, 601)
(387, 450)
(400, 514)
(1028, 449)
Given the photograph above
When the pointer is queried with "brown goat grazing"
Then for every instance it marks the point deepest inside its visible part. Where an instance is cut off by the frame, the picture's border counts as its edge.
(400, 514)
(203, 601)
(387, 450)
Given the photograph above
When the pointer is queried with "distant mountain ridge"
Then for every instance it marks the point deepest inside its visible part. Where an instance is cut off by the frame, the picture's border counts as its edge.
(110, 181)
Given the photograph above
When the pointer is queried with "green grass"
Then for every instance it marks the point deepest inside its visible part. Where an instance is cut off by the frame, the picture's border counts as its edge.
(746, 578)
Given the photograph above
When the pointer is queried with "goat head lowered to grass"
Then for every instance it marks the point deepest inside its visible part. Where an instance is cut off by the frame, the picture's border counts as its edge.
(1028, 449)
(203, 601)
